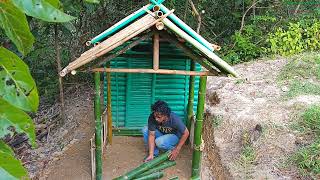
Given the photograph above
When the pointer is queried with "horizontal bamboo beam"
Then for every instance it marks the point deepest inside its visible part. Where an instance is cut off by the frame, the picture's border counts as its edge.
(151, 71)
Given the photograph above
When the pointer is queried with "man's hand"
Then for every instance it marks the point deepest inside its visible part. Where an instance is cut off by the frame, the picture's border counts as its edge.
(174, 153)
(149, 158)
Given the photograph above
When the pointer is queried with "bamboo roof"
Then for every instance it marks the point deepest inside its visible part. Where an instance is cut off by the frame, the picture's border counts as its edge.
(141, 25)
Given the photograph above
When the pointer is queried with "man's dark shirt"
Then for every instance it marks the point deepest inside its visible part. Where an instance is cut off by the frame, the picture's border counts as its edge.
(173, 125)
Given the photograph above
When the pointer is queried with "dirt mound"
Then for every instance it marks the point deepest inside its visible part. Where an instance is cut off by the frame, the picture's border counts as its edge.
(236, 107)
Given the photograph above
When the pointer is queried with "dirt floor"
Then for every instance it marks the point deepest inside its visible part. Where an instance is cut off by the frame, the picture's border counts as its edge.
(66, 154)
(126, 153)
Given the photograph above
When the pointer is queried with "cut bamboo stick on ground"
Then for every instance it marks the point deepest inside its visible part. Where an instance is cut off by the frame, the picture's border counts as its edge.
(158, 168)
(145, 166)
(114, 41)
(156, 175)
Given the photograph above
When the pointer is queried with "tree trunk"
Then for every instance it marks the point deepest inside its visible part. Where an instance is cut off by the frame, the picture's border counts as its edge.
(58, 61)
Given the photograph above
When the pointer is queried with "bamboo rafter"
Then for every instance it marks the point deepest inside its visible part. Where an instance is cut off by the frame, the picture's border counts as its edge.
(114, 41)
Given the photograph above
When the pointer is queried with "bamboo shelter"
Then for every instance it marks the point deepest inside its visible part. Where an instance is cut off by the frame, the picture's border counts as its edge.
(148, 55)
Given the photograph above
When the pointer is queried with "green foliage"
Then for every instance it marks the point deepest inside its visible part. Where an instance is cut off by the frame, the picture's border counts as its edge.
(294, 39)
(5, 148)
(16, 27)
(311, 119)
(11, 168)
(43, 10)
(18, 91)
(249, 43)
(308, 159)
(93, 1)
(14, 117)
(16, 84)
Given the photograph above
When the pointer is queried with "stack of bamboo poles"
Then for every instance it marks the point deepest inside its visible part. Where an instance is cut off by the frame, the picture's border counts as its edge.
(150, 170)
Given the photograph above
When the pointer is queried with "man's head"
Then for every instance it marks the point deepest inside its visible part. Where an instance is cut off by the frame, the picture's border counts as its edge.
(161, 111)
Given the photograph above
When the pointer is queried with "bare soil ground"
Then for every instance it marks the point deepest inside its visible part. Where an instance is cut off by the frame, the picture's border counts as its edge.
(236, 107)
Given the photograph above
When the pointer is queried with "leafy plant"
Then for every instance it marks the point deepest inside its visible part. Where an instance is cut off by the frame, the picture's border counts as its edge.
(18, 91)
(298, 37)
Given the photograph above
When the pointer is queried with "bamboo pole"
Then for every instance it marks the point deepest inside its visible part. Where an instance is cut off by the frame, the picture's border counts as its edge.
(189, 52)
(151, 71)
(156, 46)
(145, 166)
(217, 60)
(156, 175)
(191, 96)
(129, 19)
(123, 50)
(196, 155)
(187, 29)
(114, 41)
(158, 168)
(109, 110)
(98, 131)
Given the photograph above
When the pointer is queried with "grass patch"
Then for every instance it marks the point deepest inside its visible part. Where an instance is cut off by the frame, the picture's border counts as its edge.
(302, 66)
(217, 121)
(308, 160)
(303, 88)
(248, 155)
(311, 120)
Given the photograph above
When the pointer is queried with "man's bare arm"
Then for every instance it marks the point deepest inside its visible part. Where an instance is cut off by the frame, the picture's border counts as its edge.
(151, 142)
(177, 149)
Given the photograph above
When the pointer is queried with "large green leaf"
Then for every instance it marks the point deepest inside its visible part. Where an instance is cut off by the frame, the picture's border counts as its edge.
(42, 9)
(11, 168)
(5, 148)
(16, 84)
(93, 1)
(15, 25)
(11, 116)
(54, 3)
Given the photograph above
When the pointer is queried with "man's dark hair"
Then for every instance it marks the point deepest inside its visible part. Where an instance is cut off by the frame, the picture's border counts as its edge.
(161, 107)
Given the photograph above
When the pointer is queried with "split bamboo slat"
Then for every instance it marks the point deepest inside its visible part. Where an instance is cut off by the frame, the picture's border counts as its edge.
(93, 156)
(156, 55)
(114, 41)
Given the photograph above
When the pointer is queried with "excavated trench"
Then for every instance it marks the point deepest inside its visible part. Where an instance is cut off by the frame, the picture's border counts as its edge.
(212, 167)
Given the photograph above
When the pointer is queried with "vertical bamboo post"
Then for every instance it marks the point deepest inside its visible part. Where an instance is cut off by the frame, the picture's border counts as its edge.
(191, 96)
(97, 113)
(109, 112)
(156, 47)
(196, 156)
